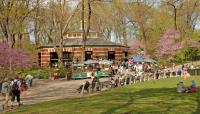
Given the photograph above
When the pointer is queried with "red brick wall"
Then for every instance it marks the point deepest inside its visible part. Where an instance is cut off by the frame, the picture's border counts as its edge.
(77, 52)
(45, 57)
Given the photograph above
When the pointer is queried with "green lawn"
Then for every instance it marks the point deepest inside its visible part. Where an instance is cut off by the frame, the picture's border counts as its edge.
(155, 97)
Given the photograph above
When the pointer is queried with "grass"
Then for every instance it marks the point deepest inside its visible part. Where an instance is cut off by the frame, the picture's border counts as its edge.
(152, 97)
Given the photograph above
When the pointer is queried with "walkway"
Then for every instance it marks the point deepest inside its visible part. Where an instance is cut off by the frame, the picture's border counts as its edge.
(47, 90)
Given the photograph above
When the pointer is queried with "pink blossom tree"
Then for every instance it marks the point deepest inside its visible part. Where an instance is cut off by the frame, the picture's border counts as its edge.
(136, 45)
(13, 59)
(169, 43)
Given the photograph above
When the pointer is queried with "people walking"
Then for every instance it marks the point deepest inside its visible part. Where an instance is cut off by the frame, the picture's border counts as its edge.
(6, 93)
(15, 89)
(29, 80)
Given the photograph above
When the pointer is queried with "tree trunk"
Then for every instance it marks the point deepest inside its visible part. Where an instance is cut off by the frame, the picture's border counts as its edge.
(175, 18)
(85, 33)
(83, 30)
(60, 53)
(36, 34)
(20, 40)
(125, 38)
(36, 25)
(13, 40)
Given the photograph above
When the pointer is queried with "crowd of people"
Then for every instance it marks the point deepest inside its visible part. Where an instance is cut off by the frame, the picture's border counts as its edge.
(123, 73)
(13, 88)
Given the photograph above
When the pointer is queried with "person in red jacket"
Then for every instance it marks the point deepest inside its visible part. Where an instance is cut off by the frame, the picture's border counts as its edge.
(55, 72)
(192, 88)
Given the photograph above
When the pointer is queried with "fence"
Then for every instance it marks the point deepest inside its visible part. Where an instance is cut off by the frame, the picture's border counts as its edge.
(128, 80)
(194, 72)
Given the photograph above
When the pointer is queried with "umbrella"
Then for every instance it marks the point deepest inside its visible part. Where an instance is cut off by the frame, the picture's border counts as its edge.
(130, 60)
(91, 62)
(137, 59)
(105, 62)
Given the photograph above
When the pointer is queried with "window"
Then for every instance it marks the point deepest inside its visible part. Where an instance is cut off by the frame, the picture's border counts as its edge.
(67, 56)
(79, 35)
(39, 59)
(69, 35)
(53, 58)
(111, 55)
(74, 35)
(88, 55)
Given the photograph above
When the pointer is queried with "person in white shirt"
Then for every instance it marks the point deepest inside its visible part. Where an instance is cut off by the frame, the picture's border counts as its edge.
(192, 66)
(29, 79)
(5, 92)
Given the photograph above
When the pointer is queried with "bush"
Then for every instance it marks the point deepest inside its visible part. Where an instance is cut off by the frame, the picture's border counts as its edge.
(178, 59)
(34, 73)
(198, 66)
(45, 72)
(191, 53)
(62, 72)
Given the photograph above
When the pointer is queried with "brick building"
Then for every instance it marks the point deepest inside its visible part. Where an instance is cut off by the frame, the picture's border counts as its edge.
(96, 48)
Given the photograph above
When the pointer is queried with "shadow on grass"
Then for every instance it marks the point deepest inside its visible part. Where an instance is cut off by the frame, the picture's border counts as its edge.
(198, 107)
(122, 101)
(155, 101)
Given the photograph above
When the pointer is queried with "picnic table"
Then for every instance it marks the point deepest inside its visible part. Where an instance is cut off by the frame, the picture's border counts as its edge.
(102, 74)
(81, 75)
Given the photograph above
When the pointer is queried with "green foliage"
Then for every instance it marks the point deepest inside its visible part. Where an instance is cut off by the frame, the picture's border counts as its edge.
(152, 97)
(198, 66)
(191, 53)
(178, 59)
(62, 72)
(34, 73)
(45, 72)
(186, 55)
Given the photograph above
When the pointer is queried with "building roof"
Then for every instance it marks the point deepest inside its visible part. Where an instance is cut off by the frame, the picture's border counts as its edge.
(73, 42)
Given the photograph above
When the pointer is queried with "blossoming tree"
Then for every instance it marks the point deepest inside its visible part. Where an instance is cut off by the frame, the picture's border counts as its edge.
(12, 59)
(168, 44)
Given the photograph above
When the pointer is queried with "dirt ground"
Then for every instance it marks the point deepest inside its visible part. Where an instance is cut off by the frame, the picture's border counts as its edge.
(47, 90)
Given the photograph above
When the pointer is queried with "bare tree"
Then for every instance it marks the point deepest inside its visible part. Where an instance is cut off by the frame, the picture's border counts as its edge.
(57, 20)
(85, 32)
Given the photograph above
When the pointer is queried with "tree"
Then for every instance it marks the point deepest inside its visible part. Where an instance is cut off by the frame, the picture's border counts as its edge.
(169, 43)
(13, 60)
(85, 32)
(175, 5)
(136, 45)
(14, 21)
(57, 18)
(140, 16)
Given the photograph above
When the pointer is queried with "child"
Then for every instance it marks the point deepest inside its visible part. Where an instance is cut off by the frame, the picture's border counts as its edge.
(193, 87)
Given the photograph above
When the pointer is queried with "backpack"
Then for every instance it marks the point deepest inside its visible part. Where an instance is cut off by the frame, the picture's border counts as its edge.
(15, 86)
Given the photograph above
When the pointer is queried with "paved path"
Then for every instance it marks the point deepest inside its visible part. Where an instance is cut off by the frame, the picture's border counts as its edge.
(47, 90)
